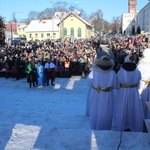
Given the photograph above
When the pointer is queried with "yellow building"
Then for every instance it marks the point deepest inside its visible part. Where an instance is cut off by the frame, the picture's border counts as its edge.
(70, 26)
(21, 31)
(74, 25)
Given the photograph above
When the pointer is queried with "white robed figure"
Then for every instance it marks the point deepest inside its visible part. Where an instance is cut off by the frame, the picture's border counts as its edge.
(144, 89)
(129, 111)
(88, 101)
(102, 80)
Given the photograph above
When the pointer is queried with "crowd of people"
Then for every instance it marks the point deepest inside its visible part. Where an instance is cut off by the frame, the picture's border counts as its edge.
(128, 72)
(68, 58)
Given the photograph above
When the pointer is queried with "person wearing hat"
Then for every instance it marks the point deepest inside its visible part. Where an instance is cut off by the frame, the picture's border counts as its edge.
(129, 110)
(144, 89)
(101, 81)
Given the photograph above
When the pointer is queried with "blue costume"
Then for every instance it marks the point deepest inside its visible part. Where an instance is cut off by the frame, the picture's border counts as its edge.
(40, 72)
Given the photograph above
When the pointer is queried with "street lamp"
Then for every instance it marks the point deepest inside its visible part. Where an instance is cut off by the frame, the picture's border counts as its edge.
(15, 20)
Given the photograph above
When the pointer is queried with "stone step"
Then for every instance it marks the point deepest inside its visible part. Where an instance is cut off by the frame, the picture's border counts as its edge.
(45, 138)
(146, 127)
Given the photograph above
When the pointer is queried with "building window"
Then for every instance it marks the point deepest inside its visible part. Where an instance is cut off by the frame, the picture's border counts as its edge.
(30, 35)
(36, 35)
(54, 35)
(48, 35)
(42, 35)
(79, 32)
(65, 31)
(72, 31)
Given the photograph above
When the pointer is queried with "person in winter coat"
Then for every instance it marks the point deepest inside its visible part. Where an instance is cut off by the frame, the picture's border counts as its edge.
(50, 72)
(102, 80)
(31, 74)
(67, 67)
(129, 111)
(144, 89)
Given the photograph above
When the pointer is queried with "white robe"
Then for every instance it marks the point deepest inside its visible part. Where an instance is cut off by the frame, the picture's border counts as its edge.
(88, 101)
(101, 103)
(129, 111)
(144, 90)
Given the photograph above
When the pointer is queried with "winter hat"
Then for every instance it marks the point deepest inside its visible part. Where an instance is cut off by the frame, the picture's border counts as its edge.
(104, 63)
(146, 55)
(146, 52)
(129, 63)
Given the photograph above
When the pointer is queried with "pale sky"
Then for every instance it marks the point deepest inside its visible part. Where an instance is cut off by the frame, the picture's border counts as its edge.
(110, 8)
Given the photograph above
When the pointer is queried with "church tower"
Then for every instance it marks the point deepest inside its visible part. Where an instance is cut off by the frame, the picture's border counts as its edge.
(132, 6)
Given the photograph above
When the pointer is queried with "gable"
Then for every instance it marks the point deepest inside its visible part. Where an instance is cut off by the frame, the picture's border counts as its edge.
(78, 17)
(73, 21)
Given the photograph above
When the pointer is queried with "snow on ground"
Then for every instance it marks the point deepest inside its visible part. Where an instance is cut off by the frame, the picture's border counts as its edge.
(27, 112)
(53, 118)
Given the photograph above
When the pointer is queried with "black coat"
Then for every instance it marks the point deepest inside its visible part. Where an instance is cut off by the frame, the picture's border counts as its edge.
(31, 75)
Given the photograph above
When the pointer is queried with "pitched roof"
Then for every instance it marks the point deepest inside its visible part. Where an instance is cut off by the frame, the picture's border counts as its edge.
(22, 26)
(81, 19)
(43, 25)
(11, 25)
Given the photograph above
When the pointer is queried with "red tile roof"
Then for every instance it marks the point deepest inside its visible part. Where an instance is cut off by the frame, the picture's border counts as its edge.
(9, 25)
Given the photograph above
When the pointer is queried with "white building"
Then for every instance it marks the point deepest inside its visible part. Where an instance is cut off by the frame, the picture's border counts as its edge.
(45, 29)
(128, 19)
(128, 23)
(42, 29)
(139, 21)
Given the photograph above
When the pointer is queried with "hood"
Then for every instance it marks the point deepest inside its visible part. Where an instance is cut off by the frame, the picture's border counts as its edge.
(129, 66)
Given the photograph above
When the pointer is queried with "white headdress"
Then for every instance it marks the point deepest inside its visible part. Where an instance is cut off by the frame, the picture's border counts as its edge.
(146, 55)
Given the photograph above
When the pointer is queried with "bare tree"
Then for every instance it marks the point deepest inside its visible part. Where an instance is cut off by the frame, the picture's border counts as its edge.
(2, 31)
(60, 6)
(106, 26)
(116, 24)
(71, 8)
(97, 21)
(33, 15)
(83, 14)
(48, 13)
